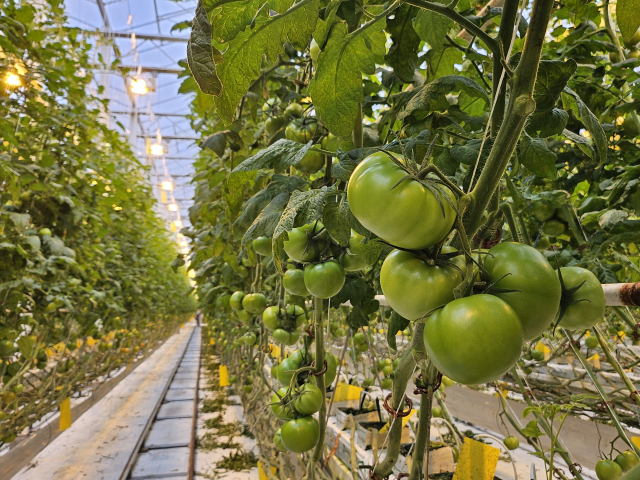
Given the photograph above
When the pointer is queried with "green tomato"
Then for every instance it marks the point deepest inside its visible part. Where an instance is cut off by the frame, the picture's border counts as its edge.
(280, 410)
(537, 355)
(591, 342)
(300, 246)
(407, 216)
(233, 379)
(286, 368)
(627, 460)
(270, 104)
(553, 228)
(293, 338)
(447, 382)
(262, 246)
(44, 231)
(359, 338)
(297, 313)
(277, 441)
(355, 262)
(301, 130)
(254, 303)
(18, 388)
(273, 124)
(583, 314)
(294, 110)
(521, 267)
(242, 271)
(324, 280)
(608, 470)
(293, 282)
(280, 335)
(6, 348)
(311, 163)
(413, 288)
(543, 243)
(475, 339)
(386, 383)
(511, 443)
(235, 301)
(247, 388)
(244, 316)
(308, 399)
(301, 434)
(271, 318)
(9, 438)
(387, 370)
(363, 347)
(543, 211)
(436, 412)
(250, 339)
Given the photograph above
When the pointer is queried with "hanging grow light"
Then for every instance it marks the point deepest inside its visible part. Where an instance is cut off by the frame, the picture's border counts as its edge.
(13, 80)
(172, 207)
(167, 186)
(139, 86)
(156, 149)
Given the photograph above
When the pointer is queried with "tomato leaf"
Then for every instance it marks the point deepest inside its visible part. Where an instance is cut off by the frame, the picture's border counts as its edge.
(432, 28)
(583, 143)
(403, 54)
(468, 153)
(553, 76)
(262, 43)
(628, 17)
(442, 62)
(229, 18)
(572, 101)
(546, 124)
(278, 156)
(27, 344)
(202, 56)
(531, 430)
(336, 223)
(396, 324)
(361, 295)
(337, 89)
(535, 155)
(216, 142)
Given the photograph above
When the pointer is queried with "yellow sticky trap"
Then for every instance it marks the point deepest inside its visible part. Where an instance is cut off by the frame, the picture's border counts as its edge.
(636, 441)
(594, 360)
(91, 341)
(50, 353)
(182, 325)
(275, 351)
(541, 347)
(78, 343)
(477, 461)
(261, 474)
(224, 376)
(346, 392)
(212, 341)
(59, 347)
(404, 421)
(65, 414)
(621, 335)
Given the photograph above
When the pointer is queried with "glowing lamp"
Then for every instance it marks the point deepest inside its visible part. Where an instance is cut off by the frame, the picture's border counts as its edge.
(139, 86)
(172, 207)
(167, 185)
(157, 149)
(178, 223)
(13, 80)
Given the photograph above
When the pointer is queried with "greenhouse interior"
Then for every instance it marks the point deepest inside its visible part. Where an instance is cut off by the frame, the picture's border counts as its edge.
(320, 239)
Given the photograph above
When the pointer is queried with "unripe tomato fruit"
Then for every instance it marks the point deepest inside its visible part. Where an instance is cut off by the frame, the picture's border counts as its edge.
(474, 340)
(436, 412)
(308, 399)
(553, 228)
(294, 110)
(543, 211)
(262, 245)
(273, 124)
(244, 316)
(254, 303)
(386, 383)
(293, 282)
(311, 163)
(358, 338)
(537, 355)
(355, 262)
(407, 216)
(301, 434)
(44, 231)
(300, 247)
(293, 338)
(247, 388)
(235, 301)
(627, 460)
(280, 335)
(591, 342)
(583, 314)
(608, 470)
(527, 270)
(283, 412)
(447, 382)
(301, 130)
(413, 288)
(324, 280)
(511, 443)
(277, 441)
(296, 312)
(270, 318)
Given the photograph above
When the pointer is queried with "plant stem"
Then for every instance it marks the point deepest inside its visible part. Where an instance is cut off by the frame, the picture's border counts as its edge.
(508, 214)
(612, 413)
(624, 316)
(319, 365)
(423, 435)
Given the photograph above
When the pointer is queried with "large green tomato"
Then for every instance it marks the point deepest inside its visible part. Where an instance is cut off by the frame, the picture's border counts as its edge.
(543, 211)
(407, 216)
(413, 288)
(310, 163)
(301, 434)
(584, 314)
(297, 313)
(262, 245)
(355, 262)
(277, 441)
(608, 470)
(286, 368)
(273, 124)
(553, 228)
(280, 335)
(244, 316)
(301, 130)
(332, 368)
(283, 412)
(307, 399)
(627, 460)
(293, 282)
(254, 303)
(294, 110)
(474, 339)
(300, 246)
(235, 301)
(527, 270)
(324, 280)
(270, 318)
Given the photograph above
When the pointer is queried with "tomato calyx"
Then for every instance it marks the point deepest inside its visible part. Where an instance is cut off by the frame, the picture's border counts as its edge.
(567, 297)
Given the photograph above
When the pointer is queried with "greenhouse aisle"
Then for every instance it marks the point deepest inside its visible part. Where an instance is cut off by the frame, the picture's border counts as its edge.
(102, 443)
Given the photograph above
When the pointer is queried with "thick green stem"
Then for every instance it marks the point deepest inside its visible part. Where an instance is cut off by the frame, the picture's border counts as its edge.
(319, 366)
(573, 225)
(624, 315)
(403, 375)
(610, 409)
(521, 105)
(422, 435)
(507, 23)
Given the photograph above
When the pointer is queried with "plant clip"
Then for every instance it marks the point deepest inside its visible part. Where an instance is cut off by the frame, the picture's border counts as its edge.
(528, 392)
(488, 243)
(321, 372)
(309, 332)
(603, 406)
(395, 414)
(403, 475)
(558, 473)
(372, 475)
(635, 392)
(575, 467)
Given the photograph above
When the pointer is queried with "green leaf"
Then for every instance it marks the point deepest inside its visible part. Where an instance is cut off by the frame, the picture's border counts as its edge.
(259, 45)
(538, 159)
(216, 142)
(27, 344)
(468, 153)
(442, 62)
(628, 16)
(403, 54)
(531, 430)
(572, 101)
(583, 143)
(336, 223)
(361, 296)
(20, 220)
(552, 78)
(202, 56)
(547, 123)
(323, 27)
(336, 89)
(433, 96)
(303, 208)
(278, 156)
(348, 161)
(432, 28)
(229, 18)
(396, 324)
